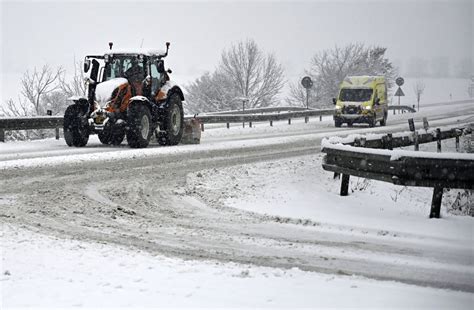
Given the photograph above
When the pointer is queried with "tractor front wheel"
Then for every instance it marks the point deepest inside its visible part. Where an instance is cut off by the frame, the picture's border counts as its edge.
(139, 123)
(76, 131)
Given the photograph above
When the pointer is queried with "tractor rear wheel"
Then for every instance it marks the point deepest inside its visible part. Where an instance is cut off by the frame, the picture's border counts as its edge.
(172, 128)
(76, 131)
(140, 126)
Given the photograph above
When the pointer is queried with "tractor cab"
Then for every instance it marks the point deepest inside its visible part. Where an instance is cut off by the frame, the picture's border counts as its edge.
(144, 70)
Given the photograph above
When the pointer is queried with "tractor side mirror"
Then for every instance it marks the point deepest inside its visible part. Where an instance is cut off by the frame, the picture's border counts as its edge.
(160, 66)
(334, 101)
(87, 65)
(95, 70)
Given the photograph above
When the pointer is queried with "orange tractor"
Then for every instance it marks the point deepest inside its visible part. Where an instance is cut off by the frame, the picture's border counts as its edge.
(129, 93)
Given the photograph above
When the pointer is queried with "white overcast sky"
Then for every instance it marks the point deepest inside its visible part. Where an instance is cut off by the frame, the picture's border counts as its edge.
(54, 32)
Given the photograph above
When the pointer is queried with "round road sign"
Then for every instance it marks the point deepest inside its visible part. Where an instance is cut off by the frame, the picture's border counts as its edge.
(399, 81)
(306, 82)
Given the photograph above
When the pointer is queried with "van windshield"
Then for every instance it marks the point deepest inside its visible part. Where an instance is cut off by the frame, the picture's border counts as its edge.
(355, 94)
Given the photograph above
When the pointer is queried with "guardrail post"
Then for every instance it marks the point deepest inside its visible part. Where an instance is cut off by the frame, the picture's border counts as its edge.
(387, 141)
(415, 137)
(250, 124)
(271, 123)
(2, 135)
(411, 124)
(438, 137)
(289, 121)
(57, 133)
(457, 140)
(202, 126)
(436, 202)
(425, 123)
(306, 119)
(345, 185)
(228, 125)
(320, 118)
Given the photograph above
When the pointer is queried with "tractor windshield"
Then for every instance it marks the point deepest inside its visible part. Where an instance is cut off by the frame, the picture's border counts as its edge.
(130, 67)
(355, 94)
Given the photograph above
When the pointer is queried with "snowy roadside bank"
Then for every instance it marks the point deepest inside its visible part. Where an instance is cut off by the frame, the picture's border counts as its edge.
(43, 271)
(299, 188)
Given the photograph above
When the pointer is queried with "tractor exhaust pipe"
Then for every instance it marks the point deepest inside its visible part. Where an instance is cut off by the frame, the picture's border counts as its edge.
(110, 45)
(167, 49)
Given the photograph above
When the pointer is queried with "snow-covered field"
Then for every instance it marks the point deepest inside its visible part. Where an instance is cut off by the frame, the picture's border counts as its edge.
(436, 90)
(378, 224)
(46, 272)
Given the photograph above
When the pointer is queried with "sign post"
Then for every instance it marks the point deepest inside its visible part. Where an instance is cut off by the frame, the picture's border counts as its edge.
(399, 81)
(307, 84)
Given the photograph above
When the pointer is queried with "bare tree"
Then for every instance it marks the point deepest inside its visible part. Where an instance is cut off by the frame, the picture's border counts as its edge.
(56, 102)
(76, 86)
(39, 83)
(297, 95)
(419, 88)
(210, 92)
(329, 67)
(255, 76)
(16, 109)
(37, 89)
(244, 72)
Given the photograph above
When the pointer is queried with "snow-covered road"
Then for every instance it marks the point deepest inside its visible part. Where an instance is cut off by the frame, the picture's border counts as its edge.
(153, 200)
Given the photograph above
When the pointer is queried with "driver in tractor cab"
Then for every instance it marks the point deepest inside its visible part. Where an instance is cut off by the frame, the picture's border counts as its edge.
(135, 74)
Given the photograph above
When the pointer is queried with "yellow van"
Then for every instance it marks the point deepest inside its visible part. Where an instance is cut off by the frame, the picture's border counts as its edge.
(361, 99)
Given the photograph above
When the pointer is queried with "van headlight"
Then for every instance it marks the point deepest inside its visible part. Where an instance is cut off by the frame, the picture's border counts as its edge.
(338, 107)
(368, 107)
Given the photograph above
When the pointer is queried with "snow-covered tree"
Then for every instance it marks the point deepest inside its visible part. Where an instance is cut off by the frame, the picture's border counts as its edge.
(329, 67)
(243, 72)
(42, 89)
(297, 96)
(75, 86)
(210, 92)
(39, 83)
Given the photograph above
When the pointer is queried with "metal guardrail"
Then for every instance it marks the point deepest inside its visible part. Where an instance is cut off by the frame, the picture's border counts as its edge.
(358, 158)
(238, 118)
(48, 122)
(33, 122)
(260, 110)
(247, 116)
(401, 108)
